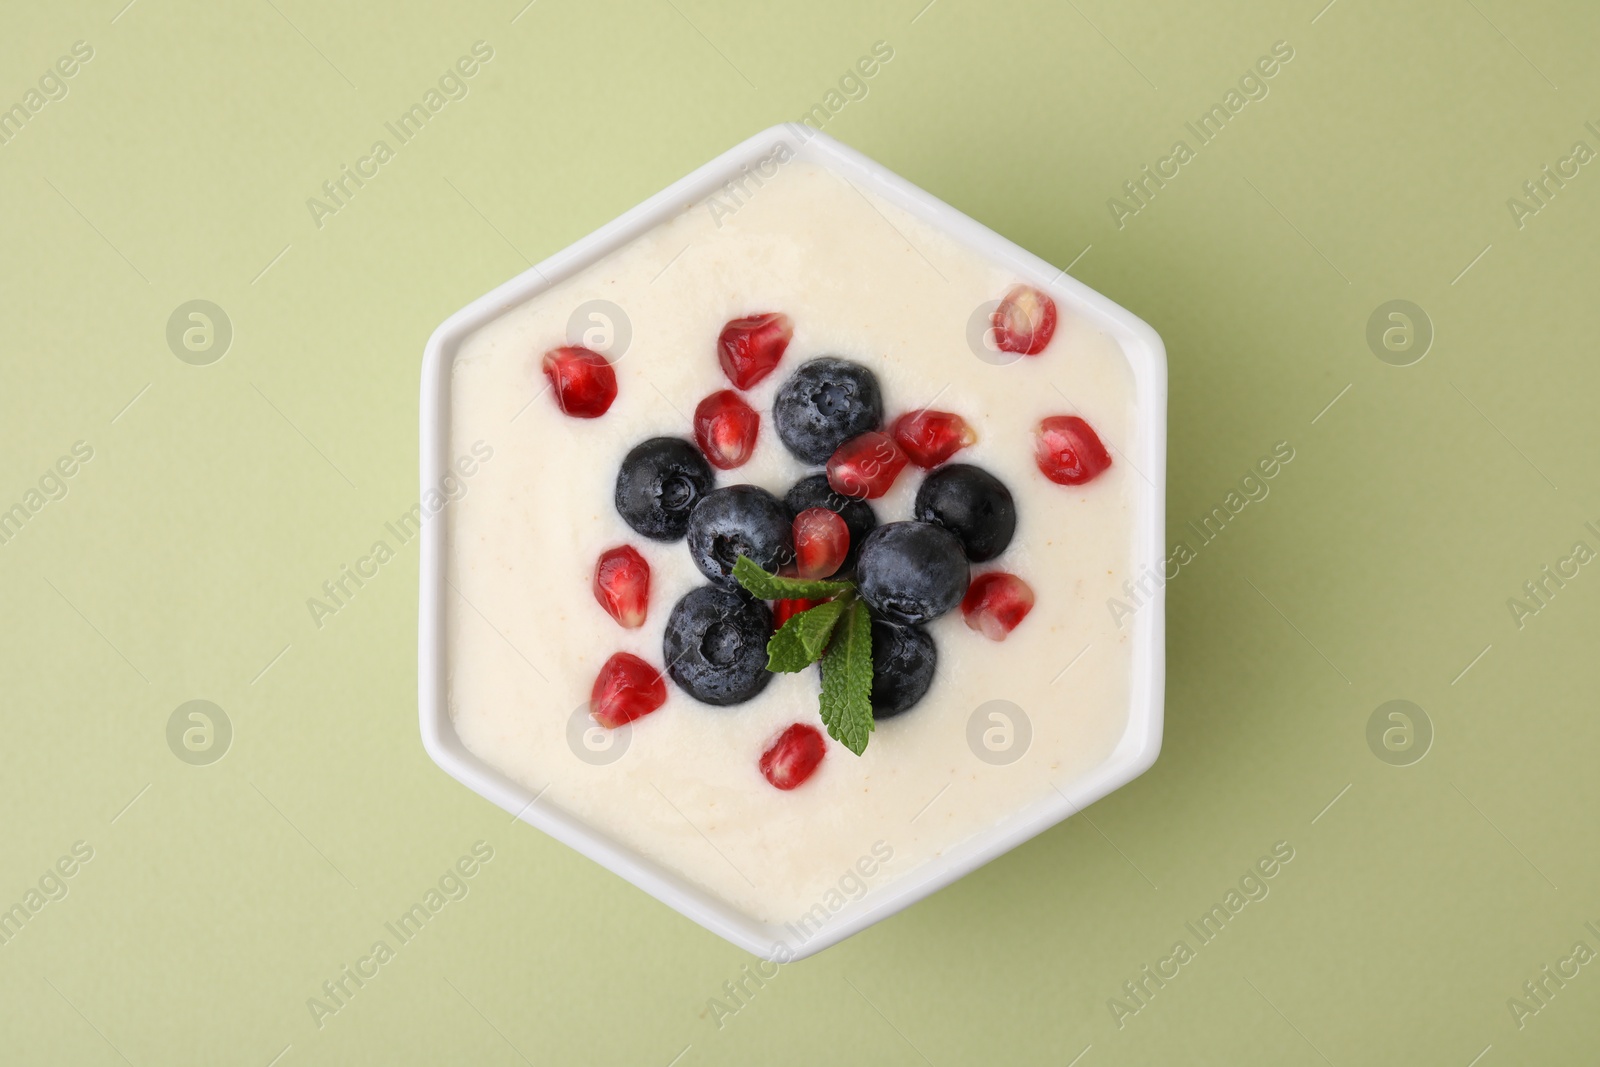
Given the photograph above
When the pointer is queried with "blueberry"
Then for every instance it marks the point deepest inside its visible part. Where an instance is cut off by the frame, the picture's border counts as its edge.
(660, 482)
(716, 645)
(912, 572)
(859, 518)
(824, 403)
(739, 520)
(903, 661)
(972, 504)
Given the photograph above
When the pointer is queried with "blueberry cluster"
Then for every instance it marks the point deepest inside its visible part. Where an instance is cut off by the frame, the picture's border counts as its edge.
(908, 573)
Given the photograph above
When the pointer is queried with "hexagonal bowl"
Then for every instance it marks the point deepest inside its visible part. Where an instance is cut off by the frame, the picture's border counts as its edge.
(1140, 742)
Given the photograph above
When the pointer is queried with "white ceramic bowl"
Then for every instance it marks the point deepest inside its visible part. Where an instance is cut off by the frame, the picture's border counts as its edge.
(1141, 739)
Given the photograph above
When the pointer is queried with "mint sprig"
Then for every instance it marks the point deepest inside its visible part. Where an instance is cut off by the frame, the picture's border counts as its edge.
(837, 631)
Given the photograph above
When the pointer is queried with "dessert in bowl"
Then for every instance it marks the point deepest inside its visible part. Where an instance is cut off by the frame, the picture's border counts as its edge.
(785, 591)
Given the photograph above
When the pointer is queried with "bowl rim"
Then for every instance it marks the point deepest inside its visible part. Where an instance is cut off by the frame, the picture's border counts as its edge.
(1133, 754)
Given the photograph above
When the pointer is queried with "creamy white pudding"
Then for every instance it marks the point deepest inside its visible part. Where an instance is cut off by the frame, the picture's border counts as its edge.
(863, 280)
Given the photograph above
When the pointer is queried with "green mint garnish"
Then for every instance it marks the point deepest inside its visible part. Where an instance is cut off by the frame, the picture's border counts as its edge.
(803, 638)
(847, 680)
(763, 586)
(837, 631)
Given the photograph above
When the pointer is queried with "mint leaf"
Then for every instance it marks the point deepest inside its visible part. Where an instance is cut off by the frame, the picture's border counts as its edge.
(847, 680)
(803, 637)
(764, 586)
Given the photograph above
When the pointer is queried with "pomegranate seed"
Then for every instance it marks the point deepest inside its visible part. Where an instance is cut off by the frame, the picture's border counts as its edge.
(749, 348)
(1068, 450)
(1024, 322)
(995, 603)
(584, 383)
(866, 466)
(725, 429)
(622, 585)
(821, 542)
(784, 610)
(626, 688)
(794, 756)
(931, 437)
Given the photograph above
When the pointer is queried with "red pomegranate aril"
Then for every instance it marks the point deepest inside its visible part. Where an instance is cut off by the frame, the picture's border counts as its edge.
(626, 688)
(995, 603)
(1024, 322)
(584, 383)
(794, 756)
(784, 610)
(749, 348)
(725, 428)
(821, 542)
(866, 466)
(1068, 450)
(622, 585)
(931, 437)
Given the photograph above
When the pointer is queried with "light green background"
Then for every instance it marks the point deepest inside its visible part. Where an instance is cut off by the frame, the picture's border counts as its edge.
(178, 565)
